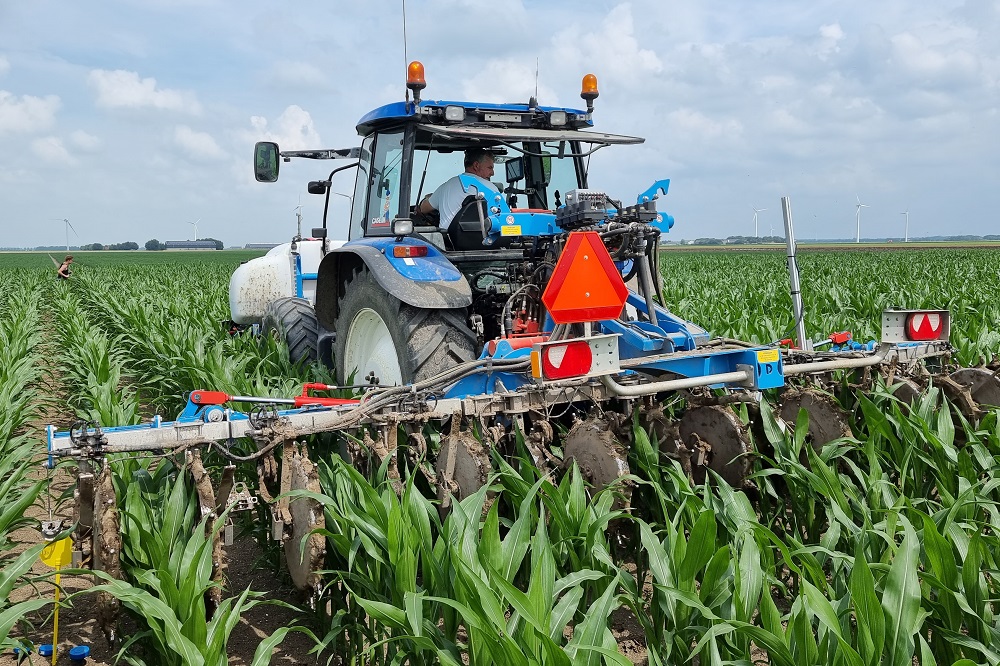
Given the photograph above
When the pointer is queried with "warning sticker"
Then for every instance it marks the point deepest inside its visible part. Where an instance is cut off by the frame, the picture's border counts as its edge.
(510, 230)
(768, 356)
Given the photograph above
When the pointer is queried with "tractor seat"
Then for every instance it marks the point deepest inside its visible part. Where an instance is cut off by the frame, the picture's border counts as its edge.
(465, 230)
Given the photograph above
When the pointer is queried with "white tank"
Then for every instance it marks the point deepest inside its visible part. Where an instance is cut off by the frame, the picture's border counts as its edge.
(258, 282)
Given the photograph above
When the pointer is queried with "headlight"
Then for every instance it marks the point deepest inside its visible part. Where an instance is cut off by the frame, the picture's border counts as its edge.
(454, 113)
(557, 118)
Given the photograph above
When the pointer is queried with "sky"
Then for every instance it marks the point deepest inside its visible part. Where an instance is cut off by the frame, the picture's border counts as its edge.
(136, 119)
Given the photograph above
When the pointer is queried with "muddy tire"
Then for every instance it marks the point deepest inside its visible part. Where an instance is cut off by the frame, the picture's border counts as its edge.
(382, 340)
(294, 321)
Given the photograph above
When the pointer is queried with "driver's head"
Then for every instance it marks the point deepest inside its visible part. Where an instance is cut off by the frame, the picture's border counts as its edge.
(479, 162)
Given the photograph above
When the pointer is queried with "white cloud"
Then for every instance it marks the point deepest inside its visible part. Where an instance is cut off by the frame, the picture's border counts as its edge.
(85, 142)
(830, 37)
(51, 150)
(4, 65)
(947, 65)
(198, 145)
(27, 113)
(293, 130)
(122, 89)
(612, 46)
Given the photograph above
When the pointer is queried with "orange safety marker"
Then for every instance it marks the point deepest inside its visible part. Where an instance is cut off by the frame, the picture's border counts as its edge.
(586, 284)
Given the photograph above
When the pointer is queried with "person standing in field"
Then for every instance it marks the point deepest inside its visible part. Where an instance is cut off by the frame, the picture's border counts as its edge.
(63, 272)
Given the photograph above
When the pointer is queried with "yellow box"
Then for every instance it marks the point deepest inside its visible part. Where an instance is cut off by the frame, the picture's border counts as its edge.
(768, 356)
(510, 230)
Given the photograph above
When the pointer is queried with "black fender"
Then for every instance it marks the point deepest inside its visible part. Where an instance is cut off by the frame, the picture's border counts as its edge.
(338, 265)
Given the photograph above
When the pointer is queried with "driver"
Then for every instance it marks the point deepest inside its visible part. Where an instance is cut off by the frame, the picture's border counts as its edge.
(448, 198)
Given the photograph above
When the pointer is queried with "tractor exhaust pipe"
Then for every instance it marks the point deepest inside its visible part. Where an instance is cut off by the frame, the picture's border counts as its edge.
(793, 277)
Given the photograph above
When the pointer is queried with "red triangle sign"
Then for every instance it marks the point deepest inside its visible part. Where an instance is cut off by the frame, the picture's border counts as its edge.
(586, 285)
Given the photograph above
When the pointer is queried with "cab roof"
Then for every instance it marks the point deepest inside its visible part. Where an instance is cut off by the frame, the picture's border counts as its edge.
(491, 114)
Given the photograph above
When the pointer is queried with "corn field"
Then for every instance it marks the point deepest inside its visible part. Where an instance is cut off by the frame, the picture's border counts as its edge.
(881, 548)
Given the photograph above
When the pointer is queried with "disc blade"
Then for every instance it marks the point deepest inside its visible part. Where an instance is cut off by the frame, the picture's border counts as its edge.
(717, 440)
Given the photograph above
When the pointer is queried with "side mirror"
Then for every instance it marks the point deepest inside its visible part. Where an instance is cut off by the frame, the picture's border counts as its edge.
(266, 159)
(515, 169)
(402, 226)
(319, 232)
(318, 186)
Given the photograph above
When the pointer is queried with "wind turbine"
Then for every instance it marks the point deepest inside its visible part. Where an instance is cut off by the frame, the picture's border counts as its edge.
(755, 211)
(858, 209)
(68, 227)
(298, 219)
(906, 236)
(195, 223)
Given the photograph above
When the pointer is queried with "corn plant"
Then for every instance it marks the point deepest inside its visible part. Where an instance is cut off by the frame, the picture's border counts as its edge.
(167, 563)
(408, 586)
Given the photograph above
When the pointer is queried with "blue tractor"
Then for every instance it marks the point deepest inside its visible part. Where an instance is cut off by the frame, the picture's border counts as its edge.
(535, 309)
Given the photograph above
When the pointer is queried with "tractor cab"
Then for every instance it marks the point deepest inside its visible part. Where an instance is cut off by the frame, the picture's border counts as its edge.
(411, 148)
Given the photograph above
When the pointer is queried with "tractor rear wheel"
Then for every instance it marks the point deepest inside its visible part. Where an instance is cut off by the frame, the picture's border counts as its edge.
(294, 321)
(381, 340)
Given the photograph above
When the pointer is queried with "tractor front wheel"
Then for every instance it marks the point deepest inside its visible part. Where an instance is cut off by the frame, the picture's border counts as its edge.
(381, 340)
(294, 321)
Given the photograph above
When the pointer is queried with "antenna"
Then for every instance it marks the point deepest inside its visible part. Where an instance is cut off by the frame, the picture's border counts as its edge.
(406, 61)
(536, 77)
(68, 227)
(858, 208)
(906, 235)
(755, 211)
(195, 224)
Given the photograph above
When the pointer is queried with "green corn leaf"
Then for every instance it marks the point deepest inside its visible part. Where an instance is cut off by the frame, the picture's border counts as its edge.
(901, 600)
(800, 636)
(972, 582)
(590, 632)
(701, 547)
(940, 554)
(543, 574)
(490, 550)
(749, 578)
(563, 612)
(868, 612)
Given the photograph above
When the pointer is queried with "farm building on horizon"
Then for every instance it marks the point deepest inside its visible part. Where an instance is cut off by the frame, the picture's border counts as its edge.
(190, 245)
(259, 246)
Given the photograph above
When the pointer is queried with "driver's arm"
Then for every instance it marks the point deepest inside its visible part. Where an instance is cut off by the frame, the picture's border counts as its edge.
(425, 206)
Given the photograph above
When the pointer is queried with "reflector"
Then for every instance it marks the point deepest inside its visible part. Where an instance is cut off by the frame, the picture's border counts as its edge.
(401, 251)
(572, 359)
(924, 326)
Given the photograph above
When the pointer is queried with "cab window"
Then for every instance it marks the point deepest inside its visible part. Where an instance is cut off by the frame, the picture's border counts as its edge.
(360, 200)
(383, 184)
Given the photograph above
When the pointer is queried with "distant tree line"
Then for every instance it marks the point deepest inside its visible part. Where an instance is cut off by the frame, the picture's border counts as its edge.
(113, 246)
